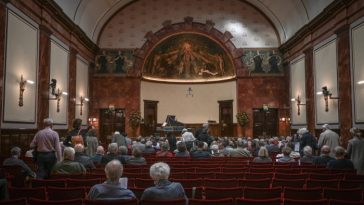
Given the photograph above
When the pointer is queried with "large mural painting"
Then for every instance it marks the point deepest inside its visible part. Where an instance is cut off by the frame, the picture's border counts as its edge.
(114, 61)
(263, 62)
(188, 57)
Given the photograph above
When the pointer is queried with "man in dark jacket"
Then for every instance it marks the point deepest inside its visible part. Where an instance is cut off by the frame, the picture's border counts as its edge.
(307, 139)
(82, 158)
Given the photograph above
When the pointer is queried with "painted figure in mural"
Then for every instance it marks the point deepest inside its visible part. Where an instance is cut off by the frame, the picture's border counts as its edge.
(258, 60)
(120, 63)
(101, 63)
(274, 62)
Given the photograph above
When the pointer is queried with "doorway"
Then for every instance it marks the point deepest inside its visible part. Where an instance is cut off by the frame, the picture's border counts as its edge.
(265, 122)
(111, 120)
(226, 118)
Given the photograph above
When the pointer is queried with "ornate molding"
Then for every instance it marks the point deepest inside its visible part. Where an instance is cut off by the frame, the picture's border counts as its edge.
(187, 26)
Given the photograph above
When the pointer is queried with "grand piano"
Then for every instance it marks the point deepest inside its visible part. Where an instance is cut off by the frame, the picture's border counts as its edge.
(171, 125)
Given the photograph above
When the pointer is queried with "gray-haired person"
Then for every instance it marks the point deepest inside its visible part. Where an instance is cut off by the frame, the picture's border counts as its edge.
(48, 149)
(15, 161)
(163, 189)
(356, 150)
(112, 188)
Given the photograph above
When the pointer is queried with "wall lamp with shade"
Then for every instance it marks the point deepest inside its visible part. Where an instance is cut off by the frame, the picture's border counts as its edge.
(299, 104)
(22, 84)
(327, 95)
(82, 101)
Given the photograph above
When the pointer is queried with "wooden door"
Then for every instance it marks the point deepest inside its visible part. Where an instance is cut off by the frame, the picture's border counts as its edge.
(226, 118)
(265, 122)
(150, 117)
(111, 121)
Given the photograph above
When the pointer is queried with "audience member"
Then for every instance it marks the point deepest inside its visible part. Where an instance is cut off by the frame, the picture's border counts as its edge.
(99, 154)
(182, 150)
(123, 151)
(112, 188)
(91, 142)
(48, 149)
(240, 151)
(340, 162)
(324, 158)
(119, 139)
(307, 139)
(149, 149)
(356, 150)
(138, 144)
(330, 138)
(200, 153)
(188, 138)
(164, 152)
(205, 126)
(286, 156)
(76, 124)
(112, 154)
(263, 156)
(15, 161)
(307, 155)
(137, 158)
(82, 158)
(172, 141)
(163, 189)
(68, 165)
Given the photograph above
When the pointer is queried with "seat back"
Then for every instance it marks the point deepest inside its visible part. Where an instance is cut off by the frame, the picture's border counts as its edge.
(258, 183)
(288, 183)
(32, 201)
(331, 183)
(111, 202)
(16, 193)
(48, 182)
(227, 201)
(343, 194)
(220, 193)
(62, 193)
(262, 193)
(305, 202)
(21, 201)
(82, 182)
(221, 183)
(302, 194)
(241, 201)
(165, 202)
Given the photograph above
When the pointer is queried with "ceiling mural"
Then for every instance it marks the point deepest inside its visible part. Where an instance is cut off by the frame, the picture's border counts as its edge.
(248, 26)
(188, 57)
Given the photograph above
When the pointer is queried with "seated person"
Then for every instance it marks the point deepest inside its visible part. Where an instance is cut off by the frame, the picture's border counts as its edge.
(325, 157)
(123, 152)
(340, 162)
(137, 158)
(112, 154)
(68, 166)
(99, 154)
(112, 188)
(240, 151)
(15, 161)
(307, 155)
(263, 155)
(286, 156)
(149, 149)
(82, 157)
(164, 152)
(182, 150)
(200, 153)
(163, 189)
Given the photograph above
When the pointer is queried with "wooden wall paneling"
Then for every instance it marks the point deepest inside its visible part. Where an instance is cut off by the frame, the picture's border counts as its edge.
(72, 86)
(344, 81)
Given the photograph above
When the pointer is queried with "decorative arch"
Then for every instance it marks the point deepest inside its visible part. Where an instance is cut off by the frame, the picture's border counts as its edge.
(206, 45)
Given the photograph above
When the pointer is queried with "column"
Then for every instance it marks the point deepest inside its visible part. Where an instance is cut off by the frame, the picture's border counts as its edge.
(72, 86)
(310, 90)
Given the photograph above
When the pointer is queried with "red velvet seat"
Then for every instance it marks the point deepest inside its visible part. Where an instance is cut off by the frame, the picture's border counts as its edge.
(258, 183)
(158, 202)
(326, 176)
(305, 202)
(261, 170)
(48, 182)
(65, 176)
(289, 170)
(351, 184)
(200, 175)
(82, 182)
(15, 175)
(354, 177)
(69, 193)
(111, 202)
(340, 202)
(178, 175)
(143, 183)
(220, 193)
(232, 175)
(262, 193)
(17, 192)
(234, 170)
(299, 183)
(331, 183)
(194, 192)
(137, 191)
(343, 194)
(189, 183)
(302, 194)
(289, 176)
(241, 201)
(47, 202)
(222, 183)
(21, 201)
(259, 175)
(227, 201)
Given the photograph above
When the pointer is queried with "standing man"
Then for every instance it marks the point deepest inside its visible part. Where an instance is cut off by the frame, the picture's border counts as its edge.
(188, 138)
(330, 138)
(356, 150)
(46, 144)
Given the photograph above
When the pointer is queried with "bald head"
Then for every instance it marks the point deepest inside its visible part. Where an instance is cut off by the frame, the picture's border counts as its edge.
(79, 148)
(114, 170)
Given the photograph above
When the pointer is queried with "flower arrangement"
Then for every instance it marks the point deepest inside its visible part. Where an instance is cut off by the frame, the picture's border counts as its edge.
(243, 118)
(134, 119)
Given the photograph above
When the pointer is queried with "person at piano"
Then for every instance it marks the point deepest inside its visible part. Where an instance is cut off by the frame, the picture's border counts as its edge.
(188, 138)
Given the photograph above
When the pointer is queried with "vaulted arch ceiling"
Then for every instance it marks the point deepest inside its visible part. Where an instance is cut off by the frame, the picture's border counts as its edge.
(287, 16)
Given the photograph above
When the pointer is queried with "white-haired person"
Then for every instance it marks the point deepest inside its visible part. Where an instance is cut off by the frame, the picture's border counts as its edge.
(324, 157)
(182, 150)
(263, 156)
(100, 151)
(328, 137)
(112, 153)
(286, 156)
(340, 162)
(119, 139)
(83, 158)
(307, 155)
(163, 189)
(68, 165)
(113, 187)
(15, 160)
(356, 150)
(137, 158)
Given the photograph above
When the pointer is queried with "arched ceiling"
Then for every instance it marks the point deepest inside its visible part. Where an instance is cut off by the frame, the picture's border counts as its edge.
(287, 16)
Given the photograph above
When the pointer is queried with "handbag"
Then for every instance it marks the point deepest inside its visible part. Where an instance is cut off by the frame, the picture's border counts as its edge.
(78, 139)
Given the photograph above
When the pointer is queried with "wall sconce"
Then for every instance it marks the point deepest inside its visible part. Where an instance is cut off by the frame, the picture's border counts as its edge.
(285, 119)
(327, 95)
(53, 85)
(82, 100)
(298, 100)
(57, 96)
(189, 92)
(22, 84)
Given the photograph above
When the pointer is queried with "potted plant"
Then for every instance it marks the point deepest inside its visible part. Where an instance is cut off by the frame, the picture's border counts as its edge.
(243, 120)
(135, 119)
